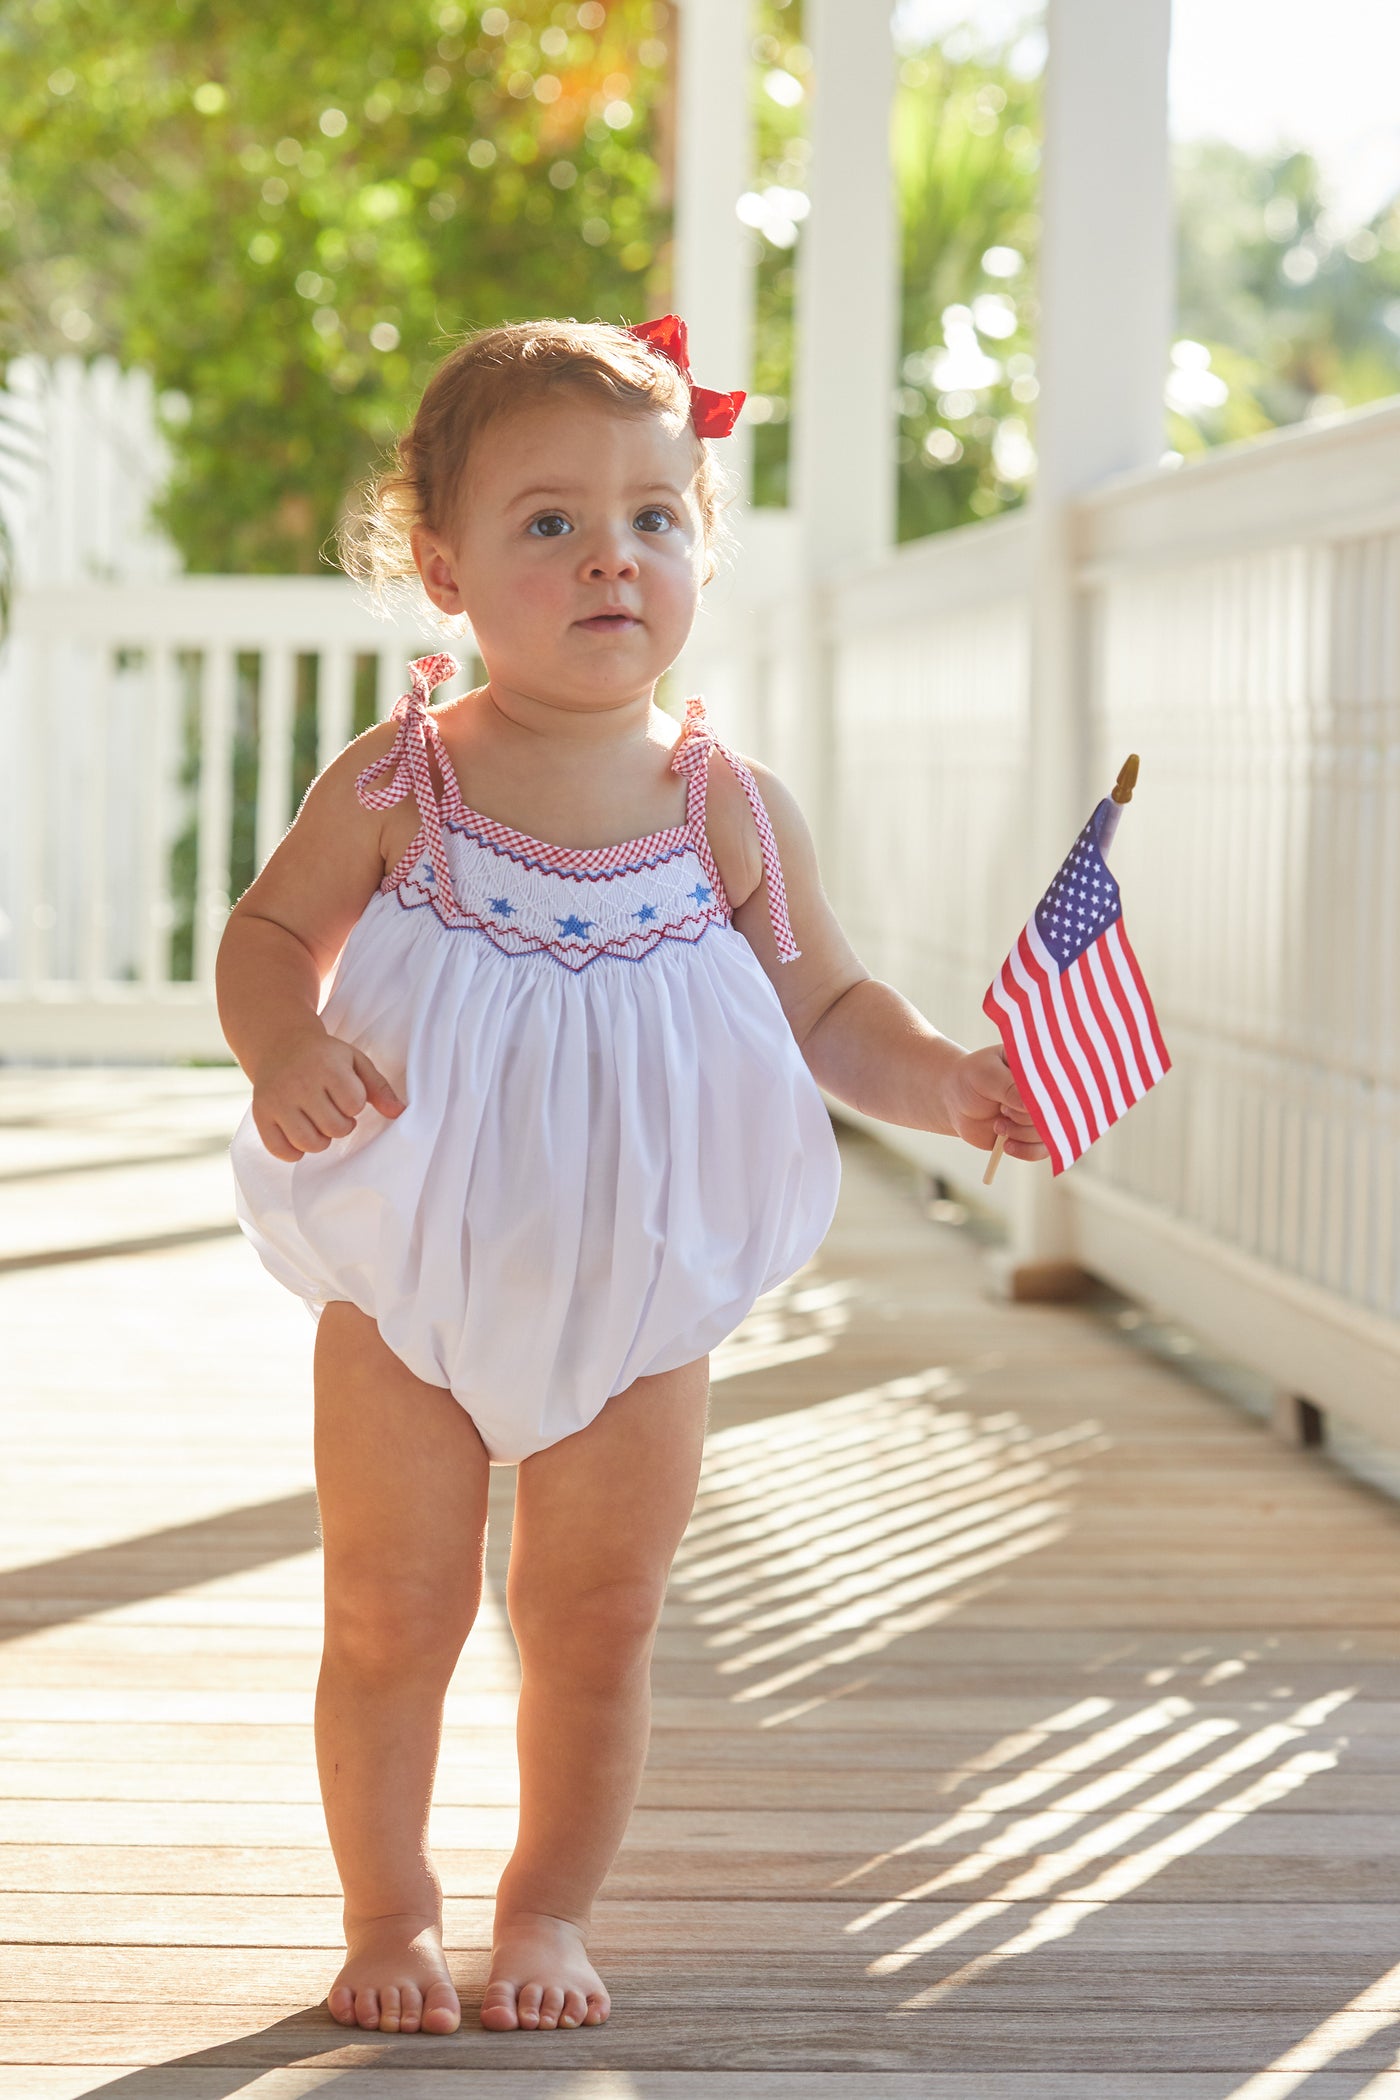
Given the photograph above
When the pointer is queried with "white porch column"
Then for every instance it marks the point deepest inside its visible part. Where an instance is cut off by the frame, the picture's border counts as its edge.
(1106, 290)
(713, 277)
(847, 317)
(842, 466)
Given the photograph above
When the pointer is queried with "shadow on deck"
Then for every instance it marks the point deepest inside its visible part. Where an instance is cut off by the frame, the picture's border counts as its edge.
(1027, 1720)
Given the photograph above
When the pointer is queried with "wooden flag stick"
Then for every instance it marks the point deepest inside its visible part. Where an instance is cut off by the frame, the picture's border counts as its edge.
(994, 1162)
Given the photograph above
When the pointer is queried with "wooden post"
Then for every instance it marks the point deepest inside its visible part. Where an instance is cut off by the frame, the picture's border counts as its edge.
(1298, 1421)
(847, 318)
(843, 485)
(1106, 300)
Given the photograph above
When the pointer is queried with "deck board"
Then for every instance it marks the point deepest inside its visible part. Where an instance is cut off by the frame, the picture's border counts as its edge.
(1027, 1720)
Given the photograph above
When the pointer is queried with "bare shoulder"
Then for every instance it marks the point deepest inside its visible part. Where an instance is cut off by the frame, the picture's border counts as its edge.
(339, 777)
(791, 832)
(733, 831)
(826, 964)
(320, 877)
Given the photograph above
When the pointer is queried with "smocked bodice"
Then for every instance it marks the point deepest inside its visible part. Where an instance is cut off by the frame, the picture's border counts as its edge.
(528, 897)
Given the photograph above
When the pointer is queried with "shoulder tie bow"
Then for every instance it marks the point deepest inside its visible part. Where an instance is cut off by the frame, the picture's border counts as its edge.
(691, 756)
(409, 771)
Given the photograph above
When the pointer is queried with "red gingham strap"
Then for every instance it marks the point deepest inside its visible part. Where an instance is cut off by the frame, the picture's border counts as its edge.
(407, 764)
(691, 757)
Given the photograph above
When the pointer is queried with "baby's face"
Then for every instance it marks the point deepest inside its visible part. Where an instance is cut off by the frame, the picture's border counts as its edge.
(574, 509)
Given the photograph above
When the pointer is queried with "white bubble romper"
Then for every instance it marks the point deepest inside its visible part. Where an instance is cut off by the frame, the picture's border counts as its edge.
(612, 1145)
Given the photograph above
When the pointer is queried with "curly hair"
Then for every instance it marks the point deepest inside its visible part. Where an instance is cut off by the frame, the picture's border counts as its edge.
(495, 371)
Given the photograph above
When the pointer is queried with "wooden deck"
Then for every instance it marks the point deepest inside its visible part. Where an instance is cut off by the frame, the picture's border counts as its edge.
(1027, 1719)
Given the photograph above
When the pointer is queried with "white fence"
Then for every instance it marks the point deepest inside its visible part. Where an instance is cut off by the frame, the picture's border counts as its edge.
(1239, 626)
(147, 716)
(141, 720)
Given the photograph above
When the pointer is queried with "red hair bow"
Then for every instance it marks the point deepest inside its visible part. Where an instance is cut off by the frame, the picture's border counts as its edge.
(713, 415)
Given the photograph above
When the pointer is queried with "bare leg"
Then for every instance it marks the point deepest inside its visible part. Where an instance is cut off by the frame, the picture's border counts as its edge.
(401, 1476)
(598, 1518)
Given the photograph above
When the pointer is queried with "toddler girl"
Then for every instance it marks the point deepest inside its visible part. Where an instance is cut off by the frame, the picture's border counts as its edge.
(552, 1129)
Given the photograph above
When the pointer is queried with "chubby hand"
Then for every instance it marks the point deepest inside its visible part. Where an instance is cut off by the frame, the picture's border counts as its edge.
(311, 1091)
(984, 1103)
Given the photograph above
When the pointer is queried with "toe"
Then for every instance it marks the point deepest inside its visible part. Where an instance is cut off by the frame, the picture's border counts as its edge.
(341, 2004)
(410, 2009)
(367, 2008)
(574, 2007)
(498, 2006)
(599, 2006)
(442, 2010)
(551, 2005)
(527, 2005)
(389, 2009)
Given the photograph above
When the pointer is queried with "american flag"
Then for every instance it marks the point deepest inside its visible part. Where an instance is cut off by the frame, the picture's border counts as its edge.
(1070, 1002)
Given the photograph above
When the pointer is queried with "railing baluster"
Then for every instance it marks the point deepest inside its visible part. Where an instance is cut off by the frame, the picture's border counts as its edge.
(215, 807)
(275, 708)
(335, 710)
(95, 777)
(36, 913)
(392, 680)
(159, 786)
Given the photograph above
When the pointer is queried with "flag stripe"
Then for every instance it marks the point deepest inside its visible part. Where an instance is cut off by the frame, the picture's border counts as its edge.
(1076, 986)
(1137, 1086)
(1071, 1039)
(1041, 1085)
(1120, 1064)
(1003, 998)
(1134, 1020)
(1153, 1042)
(1024, 970)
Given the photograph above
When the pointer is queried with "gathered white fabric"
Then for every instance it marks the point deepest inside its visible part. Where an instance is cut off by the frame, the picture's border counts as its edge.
(611, 1147)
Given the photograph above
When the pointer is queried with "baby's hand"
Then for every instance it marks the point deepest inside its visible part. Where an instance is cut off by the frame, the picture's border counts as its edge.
(311, 1090)
(984, 1103)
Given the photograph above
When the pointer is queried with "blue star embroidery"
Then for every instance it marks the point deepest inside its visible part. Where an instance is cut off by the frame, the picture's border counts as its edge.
(573, 924)
(648, 911)
(699, 893)
(502, 905)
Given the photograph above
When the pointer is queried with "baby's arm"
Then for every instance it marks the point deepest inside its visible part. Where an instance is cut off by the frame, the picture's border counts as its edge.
(861, 1039)
(282, 938)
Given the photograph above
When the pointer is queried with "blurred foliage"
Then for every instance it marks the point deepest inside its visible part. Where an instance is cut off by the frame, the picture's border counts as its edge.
(1283, 313)
(965, 141)
(779, 83)
(966, 146)
(287, 214)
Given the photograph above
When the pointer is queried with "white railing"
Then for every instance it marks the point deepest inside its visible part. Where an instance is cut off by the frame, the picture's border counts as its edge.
(1237, 627)
(142, 719)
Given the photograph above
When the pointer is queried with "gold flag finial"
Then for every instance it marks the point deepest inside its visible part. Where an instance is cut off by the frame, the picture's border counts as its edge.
(1127, 780)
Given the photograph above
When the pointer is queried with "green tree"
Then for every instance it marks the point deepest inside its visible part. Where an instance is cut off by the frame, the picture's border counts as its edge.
(288, 214)
(966, 145)
(1282, 313)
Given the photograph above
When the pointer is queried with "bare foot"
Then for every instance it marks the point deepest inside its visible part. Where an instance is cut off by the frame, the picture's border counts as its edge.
(395, 1978)
(541, 1976)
